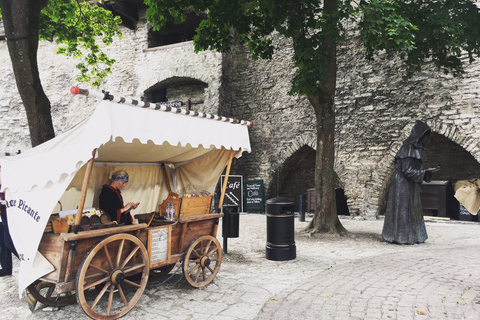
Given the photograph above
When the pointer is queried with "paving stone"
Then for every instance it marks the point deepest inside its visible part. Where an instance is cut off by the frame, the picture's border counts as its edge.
(331, 278)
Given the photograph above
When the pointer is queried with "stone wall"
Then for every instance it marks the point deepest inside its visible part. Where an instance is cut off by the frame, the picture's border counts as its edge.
(376, 108)
(137, 69)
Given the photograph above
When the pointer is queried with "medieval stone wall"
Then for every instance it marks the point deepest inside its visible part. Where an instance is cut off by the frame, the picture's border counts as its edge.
(376, 108)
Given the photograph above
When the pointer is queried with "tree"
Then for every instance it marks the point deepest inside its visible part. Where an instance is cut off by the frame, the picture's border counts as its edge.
(73, 25)
(418, 30)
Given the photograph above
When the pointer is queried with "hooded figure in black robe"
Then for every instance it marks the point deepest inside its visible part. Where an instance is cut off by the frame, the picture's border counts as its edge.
(404, 222)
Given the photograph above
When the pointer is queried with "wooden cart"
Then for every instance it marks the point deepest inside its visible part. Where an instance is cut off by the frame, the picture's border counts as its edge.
(106, 270)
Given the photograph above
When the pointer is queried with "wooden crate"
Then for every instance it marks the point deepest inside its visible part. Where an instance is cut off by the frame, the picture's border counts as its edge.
(195, 206)
(49, 226)
(60, 225)
(172, 198)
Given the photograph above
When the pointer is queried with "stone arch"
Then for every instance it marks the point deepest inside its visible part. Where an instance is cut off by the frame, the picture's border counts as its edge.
(294, 175)
(306, 139)
(192, 74)
(452, 132)
(309, 139)
(178, 89)
(296, 170)
(446, 141)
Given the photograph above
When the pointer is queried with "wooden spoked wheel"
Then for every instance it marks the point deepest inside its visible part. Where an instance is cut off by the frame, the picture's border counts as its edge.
(112, 276)
(46, 293)
(202, 261)
(162, 271)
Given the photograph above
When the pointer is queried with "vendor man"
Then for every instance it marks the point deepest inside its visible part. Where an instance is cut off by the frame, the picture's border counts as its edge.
(111, 200)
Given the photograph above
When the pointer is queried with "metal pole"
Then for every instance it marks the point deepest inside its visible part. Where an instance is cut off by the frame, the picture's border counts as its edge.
(225, 239)
(301, 207)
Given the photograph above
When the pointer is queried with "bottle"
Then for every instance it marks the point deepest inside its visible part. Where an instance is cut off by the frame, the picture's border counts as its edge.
(172, 211)
(167, 211)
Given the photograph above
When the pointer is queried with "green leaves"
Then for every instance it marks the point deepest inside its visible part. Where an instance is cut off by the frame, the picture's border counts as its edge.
(418, 31)
(76, 27)
(439, 31)
(252, 23)
(383, 28)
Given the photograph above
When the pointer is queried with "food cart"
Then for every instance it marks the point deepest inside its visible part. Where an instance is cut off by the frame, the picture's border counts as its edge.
(171, 154)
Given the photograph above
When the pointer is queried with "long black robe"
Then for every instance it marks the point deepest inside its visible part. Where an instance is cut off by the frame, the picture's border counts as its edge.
(6, 244)
(404, 222)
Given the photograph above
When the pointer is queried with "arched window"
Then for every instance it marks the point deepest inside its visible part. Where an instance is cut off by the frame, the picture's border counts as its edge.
(177, 89)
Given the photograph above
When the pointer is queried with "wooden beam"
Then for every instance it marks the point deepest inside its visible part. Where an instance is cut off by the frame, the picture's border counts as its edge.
(83, 193)
(227, 172)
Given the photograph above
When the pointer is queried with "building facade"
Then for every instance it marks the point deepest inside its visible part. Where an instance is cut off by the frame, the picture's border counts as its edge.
(376, 107)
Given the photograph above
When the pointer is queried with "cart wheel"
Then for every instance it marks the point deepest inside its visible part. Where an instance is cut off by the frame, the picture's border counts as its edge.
(202, 261)
(106, 273)
(162, 271)
(45, 293)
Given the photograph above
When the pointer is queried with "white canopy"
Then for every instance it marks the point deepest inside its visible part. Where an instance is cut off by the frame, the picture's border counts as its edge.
(123, 137)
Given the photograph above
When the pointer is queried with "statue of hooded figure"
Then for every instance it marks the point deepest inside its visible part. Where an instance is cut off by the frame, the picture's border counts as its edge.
(404, 222)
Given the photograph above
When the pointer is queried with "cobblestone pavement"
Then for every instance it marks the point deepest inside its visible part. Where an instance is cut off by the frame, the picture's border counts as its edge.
(355, 277)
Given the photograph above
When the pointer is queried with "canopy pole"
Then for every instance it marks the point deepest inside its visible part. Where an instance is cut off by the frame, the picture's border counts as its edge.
(83, 195)
(227, 172)
(78, 217)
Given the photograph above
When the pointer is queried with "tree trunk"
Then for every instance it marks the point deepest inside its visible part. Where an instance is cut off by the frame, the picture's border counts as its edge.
(21, 22)
(326, 218)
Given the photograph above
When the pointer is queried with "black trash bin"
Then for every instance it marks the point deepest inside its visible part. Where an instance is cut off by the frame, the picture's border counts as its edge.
(230, 222)
(280, 229)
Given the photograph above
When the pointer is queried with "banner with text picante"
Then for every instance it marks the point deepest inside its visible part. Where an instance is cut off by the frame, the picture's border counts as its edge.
(233, 192)
(254, 197)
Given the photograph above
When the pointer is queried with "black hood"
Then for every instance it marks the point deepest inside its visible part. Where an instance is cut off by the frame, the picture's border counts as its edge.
(419, 135)
(414, 145)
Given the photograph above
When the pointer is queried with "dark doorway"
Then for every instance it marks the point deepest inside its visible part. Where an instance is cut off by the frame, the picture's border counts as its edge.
(455, 164)
(296, 176)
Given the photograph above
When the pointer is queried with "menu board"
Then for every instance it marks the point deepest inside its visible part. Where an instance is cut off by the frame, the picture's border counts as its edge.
(159, 245)
(254, 197)
(233, 192)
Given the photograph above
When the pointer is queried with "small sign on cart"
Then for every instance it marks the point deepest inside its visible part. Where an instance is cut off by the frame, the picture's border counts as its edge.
(158, 245)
